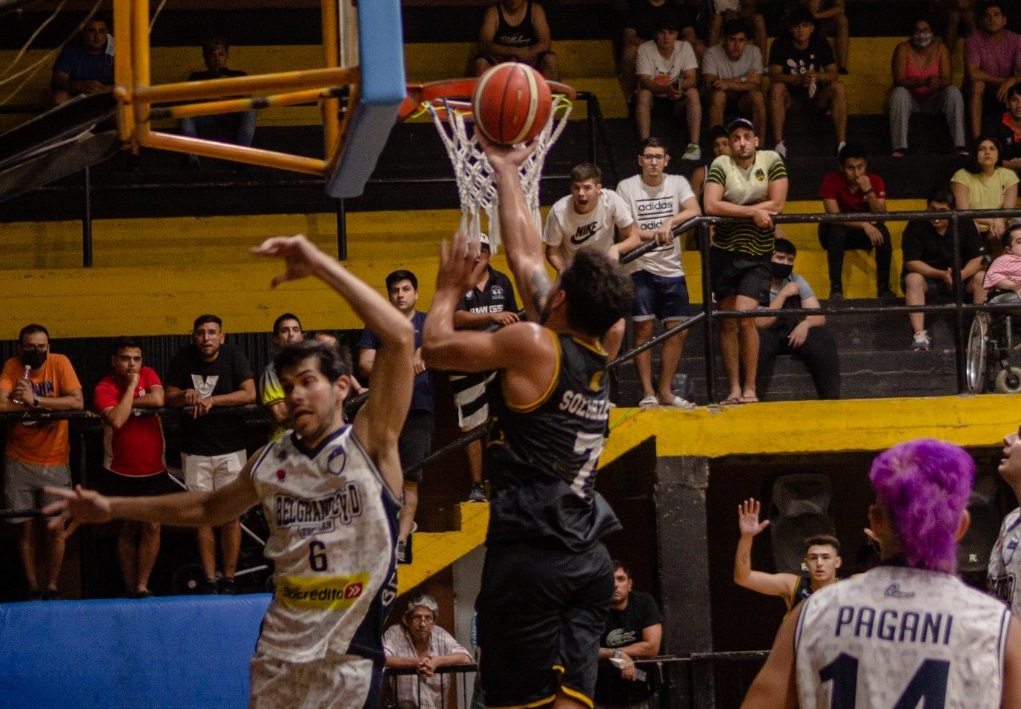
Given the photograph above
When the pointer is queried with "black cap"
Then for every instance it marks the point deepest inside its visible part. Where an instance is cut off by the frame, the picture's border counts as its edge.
(740, 123)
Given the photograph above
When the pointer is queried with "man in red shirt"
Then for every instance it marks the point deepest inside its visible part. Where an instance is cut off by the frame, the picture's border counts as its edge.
(133, 462)
(849, 190)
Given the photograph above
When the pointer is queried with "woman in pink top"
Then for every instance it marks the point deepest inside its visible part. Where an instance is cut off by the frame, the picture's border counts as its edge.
(923, 82)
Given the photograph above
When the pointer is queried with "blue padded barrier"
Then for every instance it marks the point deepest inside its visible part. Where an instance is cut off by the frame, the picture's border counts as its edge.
(180, 652)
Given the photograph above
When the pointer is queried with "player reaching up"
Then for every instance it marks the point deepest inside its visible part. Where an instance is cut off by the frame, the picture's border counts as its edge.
(330, 492)
(547, 580)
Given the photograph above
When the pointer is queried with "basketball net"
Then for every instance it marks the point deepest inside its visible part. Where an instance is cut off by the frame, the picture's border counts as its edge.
(476, 188)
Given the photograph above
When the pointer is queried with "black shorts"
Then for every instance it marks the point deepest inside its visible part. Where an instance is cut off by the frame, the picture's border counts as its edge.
(111, 484)
(415, 442)
(735, 273)
(541, 611)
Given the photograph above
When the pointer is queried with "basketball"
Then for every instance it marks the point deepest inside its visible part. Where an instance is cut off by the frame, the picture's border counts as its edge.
(512, 103)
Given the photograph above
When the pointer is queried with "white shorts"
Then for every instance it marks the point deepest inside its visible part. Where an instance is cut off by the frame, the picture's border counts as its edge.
(211, 472)
(343, 682)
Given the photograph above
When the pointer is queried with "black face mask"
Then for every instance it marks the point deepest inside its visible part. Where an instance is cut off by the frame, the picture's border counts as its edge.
(780, 271)
(34, 358)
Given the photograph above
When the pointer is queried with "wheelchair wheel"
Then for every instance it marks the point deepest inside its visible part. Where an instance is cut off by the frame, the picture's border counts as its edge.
(1008, 381)
(187, 579)
(975, 369)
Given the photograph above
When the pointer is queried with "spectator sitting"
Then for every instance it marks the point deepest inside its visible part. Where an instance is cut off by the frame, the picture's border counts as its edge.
(720, 145)
(633, 630)
(992, 61)
(640, 24)
(38, 452)
(237, 128)
(951, 15)
(985, 184)
(667, 71)
(928, 262)
(725, 11)
(805, 337)
(923, 82)
(84, 66)
(516, 31)
(1004, 274)
(732, 72)
(1008, 131)
(851, 190)
(830, 21)
(286, 331)
(802, 72)
(418, 643)
(133, 463)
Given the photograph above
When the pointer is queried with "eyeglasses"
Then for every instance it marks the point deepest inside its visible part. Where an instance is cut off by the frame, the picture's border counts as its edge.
(422, 619)
(653, 157)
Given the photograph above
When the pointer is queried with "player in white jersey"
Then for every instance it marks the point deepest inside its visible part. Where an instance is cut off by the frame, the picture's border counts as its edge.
(1005, 559)
(330, 492)
(659, 202)
(908, 633)
(585, 219)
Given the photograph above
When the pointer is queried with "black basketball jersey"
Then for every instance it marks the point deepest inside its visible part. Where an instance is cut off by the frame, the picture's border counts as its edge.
(542, 458)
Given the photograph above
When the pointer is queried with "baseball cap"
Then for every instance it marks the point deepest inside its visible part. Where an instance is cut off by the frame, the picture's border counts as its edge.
(484, 239)
(740, 123)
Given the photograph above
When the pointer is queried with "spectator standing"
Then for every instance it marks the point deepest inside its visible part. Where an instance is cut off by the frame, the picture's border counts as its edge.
(805, 337)
(633, 631)
(928, 249)
(923, 82)
(205, 375)
(803, 73)
(748, 183)
(418, 643)
(822, 559)
(516, 31)
(84, 66)
(732, 72)
(1008, 132)
(286, 331)
(854, 190)
(133, 456)
(490, 304)
(38, 452)
(986, 184)
(992, 64)
(667, 73)
(415, 441)
(659, 202)
(588, 218)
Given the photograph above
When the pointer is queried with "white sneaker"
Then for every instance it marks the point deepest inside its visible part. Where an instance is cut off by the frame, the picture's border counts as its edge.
(920, 342)
(781, 149)
(840, 146)
(692, 153)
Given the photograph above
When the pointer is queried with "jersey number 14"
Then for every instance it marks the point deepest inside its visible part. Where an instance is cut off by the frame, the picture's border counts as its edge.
(929, 682)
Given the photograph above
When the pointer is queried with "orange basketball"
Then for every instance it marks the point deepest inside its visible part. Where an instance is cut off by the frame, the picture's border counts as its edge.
(512, 103)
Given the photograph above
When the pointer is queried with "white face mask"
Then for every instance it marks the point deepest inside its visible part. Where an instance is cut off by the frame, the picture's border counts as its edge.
(921, 39)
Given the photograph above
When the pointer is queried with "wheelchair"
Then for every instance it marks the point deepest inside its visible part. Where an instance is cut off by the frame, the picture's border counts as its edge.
(994, 350)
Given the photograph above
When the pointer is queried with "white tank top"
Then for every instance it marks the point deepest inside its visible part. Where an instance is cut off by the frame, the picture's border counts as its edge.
(1005, 563)
(333, 528)
(894, 636)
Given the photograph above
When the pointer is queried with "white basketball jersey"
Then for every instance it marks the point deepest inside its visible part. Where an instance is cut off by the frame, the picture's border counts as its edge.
(1005, 563)
(333, 528)
(900, 638)
(572, 231)
(650, 207)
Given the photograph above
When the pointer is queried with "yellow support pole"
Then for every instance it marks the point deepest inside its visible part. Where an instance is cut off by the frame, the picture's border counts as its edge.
(236, 105)
(237, 153)
(122, 66)
(245, 85)
(140, 58)
(331, 59)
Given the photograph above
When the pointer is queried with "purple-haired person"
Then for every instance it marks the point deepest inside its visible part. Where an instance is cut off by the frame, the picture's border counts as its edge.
(908, 631)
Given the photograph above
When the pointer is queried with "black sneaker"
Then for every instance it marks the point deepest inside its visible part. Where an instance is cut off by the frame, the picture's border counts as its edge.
(206, 588)
(836, 294)
(144, 593)
(404, 551)
(226, 586)
(477, 493)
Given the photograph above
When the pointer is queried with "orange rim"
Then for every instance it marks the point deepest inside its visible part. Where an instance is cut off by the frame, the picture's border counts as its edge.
(457, 92)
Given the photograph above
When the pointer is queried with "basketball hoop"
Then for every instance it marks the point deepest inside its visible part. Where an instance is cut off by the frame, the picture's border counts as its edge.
(449, 105)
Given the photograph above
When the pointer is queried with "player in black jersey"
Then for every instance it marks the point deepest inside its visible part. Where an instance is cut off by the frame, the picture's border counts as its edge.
(547, 579)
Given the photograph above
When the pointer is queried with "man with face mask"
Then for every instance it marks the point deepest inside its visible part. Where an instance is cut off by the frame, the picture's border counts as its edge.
(38, 452)
(806, 338)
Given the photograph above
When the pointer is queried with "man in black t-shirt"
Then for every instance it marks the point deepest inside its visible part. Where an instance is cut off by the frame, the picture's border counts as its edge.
(928, 249)
(633, 630)
(802, 71)
(205, 375)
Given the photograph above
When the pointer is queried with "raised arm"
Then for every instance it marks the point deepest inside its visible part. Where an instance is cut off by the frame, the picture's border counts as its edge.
(758, 581)
(380, 420)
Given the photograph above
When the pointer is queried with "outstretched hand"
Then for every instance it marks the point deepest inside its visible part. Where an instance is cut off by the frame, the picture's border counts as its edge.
(458, 268)
(504, 157)
(78, 506)
(301, 256)
(748, 517)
